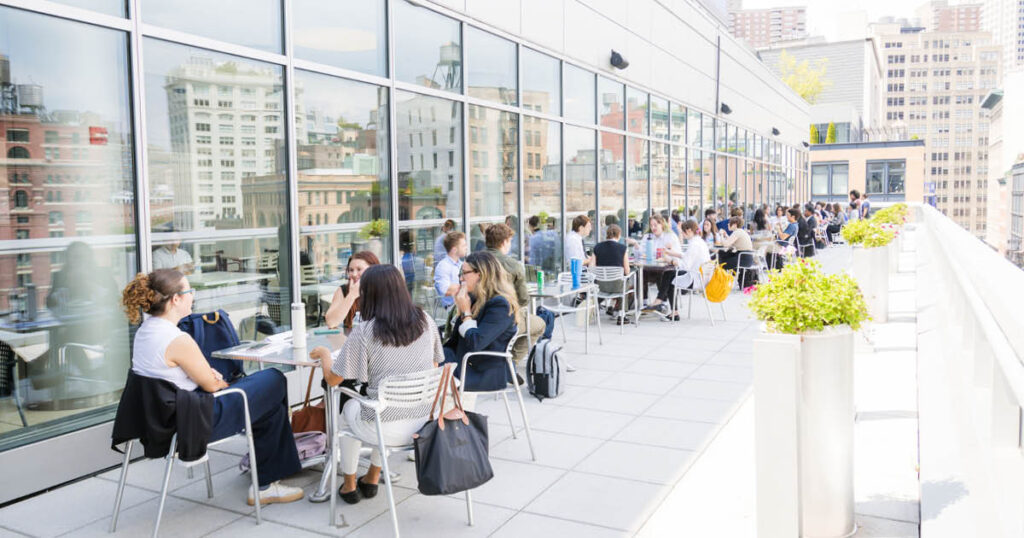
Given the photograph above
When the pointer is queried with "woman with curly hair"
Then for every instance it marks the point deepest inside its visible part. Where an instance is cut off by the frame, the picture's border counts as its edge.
(163, 351)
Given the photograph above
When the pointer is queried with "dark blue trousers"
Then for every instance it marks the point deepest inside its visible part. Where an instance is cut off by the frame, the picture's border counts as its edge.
(267, 392)
(549, 321)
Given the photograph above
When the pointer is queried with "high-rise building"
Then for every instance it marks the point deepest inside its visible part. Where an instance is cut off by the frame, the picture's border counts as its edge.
(934, 83)
(766, 27)
(939, 16)
(1004, 19)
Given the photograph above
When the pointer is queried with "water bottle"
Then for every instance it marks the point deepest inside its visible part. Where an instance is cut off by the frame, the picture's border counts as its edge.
(540, 280)
(649, 250)
(357, 319)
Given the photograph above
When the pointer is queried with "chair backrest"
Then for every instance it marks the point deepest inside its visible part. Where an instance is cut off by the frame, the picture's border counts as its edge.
(586, 277)
(607, 274)
(512, 341)
(308, 275)
(410, 391)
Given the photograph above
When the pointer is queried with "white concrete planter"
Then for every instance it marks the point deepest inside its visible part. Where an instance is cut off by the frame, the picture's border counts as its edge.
(894, 256)
(870, 267)
(804, 416)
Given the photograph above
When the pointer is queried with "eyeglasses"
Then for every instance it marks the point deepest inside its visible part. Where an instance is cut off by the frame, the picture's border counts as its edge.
(186, 292)
(471, 271)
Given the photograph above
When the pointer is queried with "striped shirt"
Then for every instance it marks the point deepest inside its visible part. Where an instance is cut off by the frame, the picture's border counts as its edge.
(364, 358)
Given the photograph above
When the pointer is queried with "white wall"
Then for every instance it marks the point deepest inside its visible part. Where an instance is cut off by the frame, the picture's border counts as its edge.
(670, 45)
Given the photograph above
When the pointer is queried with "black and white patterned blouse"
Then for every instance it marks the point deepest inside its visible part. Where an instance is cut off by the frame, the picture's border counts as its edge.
(365, 358)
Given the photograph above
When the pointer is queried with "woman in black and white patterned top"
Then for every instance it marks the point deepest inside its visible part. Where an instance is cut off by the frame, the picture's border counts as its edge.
(396, 337)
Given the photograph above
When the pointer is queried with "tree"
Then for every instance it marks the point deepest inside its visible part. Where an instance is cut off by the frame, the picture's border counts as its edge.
(814, 134)
(830, 135)
(808, 82)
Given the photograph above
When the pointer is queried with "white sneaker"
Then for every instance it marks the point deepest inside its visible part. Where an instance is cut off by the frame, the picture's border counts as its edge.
(277, 493)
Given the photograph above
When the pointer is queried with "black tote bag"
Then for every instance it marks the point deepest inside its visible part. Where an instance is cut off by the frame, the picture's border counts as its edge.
(452, 451)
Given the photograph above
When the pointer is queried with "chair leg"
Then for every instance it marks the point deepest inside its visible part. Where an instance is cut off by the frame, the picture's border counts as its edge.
(561, 318)
(469, 508)
(17, 396)
(597, 316)
(522, 409)
(209, 479)
(689, 306)
(253, 472)
(707, 303)
(120, 484)
(387, 474)
(167, 481)
(333, 441)
(508, 409)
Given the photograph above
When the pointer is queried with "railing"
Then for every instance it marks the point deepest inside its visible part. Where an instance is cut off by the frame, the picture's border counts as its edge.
(979, 304)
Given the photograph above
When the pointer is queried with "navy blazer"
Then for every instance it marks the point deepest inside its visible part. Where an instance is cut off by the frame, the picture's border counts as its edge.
(495, 327)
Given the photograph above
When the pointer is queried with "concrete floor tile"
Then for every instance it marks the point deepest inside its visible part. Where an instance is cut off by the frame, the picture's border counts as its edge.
(514, 484)
(181, 518)
(692, 409)
(431, 517)
(246, 527)
(314, 517)
(662, 368)
(525, 524)
(667, 433)
(711, 390)
(149, 473)
(731, 374)
(608, 502)
(615, 401)
(637, 462)
(641, 383)
(553, 449)
(92, 499)
(584, 422)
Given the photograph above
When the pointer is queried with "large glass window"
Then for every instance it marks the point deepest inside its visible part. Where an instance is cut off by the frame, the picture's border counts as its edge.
(819, 180)
(611, 112)
(636, 111)
(693, 127)
(707, 137)
(492, 67)
(611, 181)
(351, 35)
(637, 180)
(580, 177)
(252, 23)
(343, 190)
(694, 186)
(677, 121)
(428, 47)
(542, 195)
(110, 7)
(493, 188)
(886, 179)
(61, 276)
(677, 169)
(429, 135)
(541, 78)
(659, 177)
(578, 94)
(218, 203)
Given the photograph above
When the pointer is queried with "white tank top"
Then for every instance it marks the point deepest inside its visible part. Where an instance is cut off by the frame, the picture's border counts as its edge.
(151, 341)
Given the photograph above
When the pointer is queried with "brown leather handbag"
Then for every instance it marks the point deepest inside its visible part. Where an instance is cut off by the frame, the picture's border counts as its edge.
(310, 418)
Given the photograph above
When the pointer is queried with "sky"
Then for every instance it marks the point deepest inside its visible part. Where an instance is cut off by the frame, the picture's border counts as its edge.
(823, 16)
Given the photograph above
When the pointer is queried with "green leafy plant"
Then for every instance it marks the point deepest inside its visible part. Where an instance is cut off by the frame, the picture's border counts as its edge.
(830, 134)
(801, 298)
(895, 214)
(815, 137)
(867, 233)
(374, 228)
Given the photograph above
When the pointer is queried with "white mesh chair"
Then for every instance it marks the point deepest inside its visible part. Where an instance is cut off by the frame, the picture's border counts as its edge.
(746, 262)
(507, 357)
(694, 285)
(205, 461)
(617, 274)
(407, 391)
(568, 306)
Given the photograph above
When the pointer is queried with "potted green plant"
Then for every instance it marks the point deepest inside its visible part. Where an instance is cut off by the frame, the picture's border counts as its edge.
(803, 390)
(372, 232)
(870, 263)
(893, 218)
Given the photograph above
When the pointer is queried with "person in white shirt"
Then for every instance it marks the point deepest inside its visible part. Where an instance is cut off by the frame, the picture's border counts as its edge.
(170, 256)
(574, 241)
(446, 274)
(672, 251)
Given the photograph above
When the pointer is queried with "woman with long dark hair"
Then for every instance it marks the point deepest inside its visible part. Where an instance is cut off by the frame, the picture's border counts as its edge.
(760, 221)
(345, 302)
(396, 337)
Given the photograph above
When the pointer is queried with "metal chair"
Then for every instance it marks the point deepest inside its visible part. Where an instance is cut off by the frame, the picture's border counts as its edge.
(406, 391)
(746, 261)
(617, 274)
(507, 355)
(10, 385)
(694, 284)
(560, 309)
(205, 460)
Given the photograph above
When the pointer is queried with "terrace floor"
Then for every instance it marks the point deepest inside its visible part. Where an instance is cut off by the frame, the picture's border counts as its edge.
(652, 437)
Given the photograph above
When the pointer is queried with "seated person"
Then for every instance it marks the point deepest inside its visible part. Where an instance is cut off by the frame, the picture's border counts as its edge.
(573, 248)
(806, 231)
(838, 220)
(696, 255)
(499, 243)
(171, 256)
(163, 351)
(396, 337)
(446, 273)
(486, 308)
(710, 224)
(439, 250)
(345, 302)
(612, 253)
(671, 249)
(787, 236)
(734, 243)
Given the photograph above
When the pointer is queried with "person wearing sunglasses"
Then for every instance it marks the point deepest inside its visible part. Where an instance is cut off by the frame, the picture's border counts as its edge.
(486, 310)
(163, 351)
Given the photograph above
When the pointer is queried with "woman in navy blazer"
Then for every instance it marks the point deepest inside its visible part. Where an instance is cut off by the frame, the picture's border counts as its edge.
(486, 310)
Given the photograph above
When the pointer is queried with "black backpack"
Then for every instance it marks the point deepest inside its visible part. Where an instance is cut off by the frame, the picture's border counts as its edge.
(544, 370)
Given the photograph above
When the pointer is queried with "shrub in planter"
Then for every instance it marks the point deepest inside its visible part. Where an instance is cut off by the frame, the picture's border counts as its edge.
(866, 233)
(895, 215)
(375, 228)
(802, 298)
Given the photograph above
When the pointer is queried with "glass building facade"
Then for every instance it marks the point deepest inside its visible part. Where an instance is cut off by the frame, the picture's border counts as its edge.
(259, 146)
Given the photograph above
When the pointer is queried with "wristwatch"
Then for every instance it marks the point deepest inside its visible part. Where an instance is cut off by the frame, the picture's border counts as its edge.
(467, 315)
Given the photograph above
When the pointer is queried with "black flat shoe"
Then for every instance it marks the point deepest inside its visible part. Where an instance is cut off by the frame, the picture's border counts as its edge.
(368, 491)
(353, 496)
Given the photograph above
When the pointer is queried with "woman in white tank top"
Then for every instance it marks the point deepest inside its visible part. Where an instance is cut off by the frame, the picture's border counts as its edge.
(163, 351)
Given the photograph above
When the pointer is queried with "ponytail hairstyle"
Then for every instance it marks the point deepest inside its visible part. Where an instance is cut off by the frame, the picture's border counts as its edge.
(150, 293)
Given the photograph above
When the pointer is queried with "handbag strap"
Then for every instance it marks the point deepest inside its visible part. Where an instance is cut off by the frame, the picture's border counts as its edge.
(457, 412)
(309, 386)
(440, 388)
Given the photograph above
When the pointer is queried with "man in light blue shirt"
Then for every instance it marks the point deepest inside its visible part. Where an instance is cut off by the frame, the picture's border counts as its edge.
(446, 274)
(439, 250)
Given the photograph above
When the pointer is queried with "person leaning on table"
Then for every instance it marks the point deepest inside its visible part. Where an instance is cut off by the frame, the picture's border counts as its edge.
(163, 351)
(396, 337)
